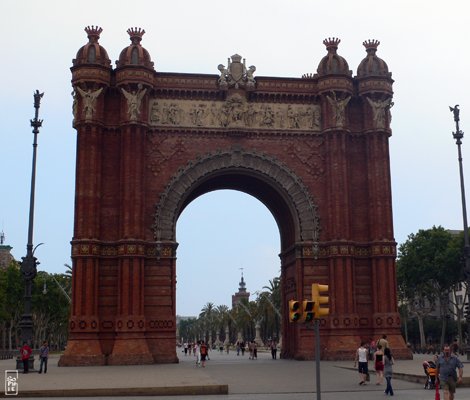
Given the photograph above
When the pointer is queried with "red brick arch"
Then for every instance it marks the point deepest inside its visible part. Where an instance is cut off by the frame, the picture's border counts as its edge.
(314, 150)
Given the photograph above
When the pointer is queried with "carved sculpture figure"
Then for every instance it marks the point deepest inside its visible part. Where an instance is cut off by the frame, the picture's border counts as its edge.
(268, 117)
(197, 114)
(89, 101)
(155, 112)
(379, 108)
(223, 75)
(293, 118)
(315, 117)
(134, 100)
(339, 107)
(236, 74)
(74, 105)
(250, 80)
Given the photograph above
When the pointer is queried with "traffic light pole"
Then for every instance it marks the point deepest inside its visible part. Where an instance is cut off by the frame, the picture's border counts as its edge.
(317, 357)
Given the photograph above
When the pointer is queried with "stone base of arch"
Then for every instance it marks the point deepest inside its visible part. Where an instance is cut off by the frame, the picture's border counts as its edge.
(82, 352)
(342, 347)
(130, 351)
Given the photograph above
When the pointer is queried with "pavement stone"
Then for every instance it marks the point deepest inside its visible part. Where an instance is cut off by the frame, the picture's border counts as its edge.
(224, 374)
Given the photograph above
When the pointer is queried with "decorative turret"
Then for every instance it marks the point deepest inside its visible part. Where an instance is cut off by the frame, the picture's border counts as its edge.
(375, 88)
(91, 75)
(135, 54)
(92, 52)
(332, 63)
(135, 76)
(372, 65)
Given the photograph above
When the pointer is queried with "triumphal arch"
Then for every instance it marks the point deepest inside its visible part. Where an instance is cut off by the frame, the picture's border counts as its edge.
(314, 150)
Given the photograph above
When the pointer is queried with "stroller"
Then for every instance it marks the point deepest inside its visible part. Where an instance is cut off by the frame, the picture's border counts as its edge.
(430, 370)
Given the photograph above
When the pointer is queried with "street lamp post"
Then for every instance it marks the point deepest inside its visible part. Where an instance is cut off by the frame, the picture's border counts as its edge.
(29, 263)
(458, 136)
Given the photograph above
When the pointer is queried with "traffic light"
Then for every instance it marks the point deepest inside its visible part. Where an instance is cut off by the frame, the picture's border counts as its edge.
(307, 313)
(294, 310)
(318, 300)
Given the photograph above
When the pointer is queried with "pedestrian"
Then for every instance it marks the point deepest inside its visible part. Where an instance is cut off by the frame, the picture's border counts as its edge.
(204, 352)
(447, 363)
(388, 370)
(379, 364)
(238, 348)
(273, 349)
(255, 351)
(243, 348)
(383, 342)
(185, 349)
(25, 353)
(361, 361)
(250, 349)
(43, 356)
(455, 347)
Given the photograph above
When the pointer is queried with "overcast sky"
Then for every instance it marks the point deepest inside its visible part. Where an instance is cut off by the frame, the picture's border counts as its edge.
(425, 44)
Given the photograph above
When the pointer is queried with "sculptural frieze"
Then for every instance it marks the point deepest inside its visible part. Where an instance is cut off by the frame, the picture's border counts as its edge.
(236, 74)
(235, 112)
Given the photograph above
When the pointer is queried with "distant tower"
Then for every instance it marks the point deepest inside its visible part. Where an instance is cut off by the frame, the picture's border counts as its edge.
(241, 294)
(5, 255)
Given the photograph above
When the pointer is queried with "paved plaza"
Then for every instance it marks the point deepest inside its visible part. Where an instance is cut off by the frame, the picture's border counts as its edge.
(226, 376)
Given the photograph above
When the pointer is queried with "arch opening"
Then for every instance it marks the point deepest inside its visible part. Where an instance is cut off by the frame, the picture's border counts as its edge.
(265, 178)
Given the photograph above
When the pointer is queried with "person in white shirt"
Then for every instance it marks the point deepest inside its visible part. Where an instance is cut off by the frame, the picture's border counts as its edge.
(362, 361)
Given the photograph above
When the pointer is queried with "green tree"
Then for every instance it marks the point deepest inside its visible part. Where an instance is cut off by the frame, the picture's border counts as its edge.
(427, 268)
(11, 304)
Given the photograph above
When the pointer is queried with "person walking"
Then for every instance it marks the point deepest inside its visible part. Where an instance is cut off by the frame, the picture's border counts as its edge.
(379, 364)
(388, 370)
(273, 349)
(362, 361)
(447, 363)
(43, 356)
(204, 353)
(255, 351)
(383, 342)
(25, 352)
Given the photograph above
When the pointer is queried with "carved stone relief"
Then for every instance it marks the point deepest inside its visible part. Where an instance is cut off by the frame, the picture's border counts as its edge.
(236, 74)
(234, 112)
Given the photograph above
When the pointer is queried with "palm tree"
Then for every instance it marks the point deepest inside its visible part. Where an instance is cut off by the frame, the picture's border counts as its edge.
(207, 317)
(271, 305)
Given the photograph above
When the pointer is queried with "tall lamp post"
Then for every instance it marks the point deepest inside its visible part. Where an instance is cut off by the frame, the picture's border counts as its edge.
(29, 263)
(458, 136)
